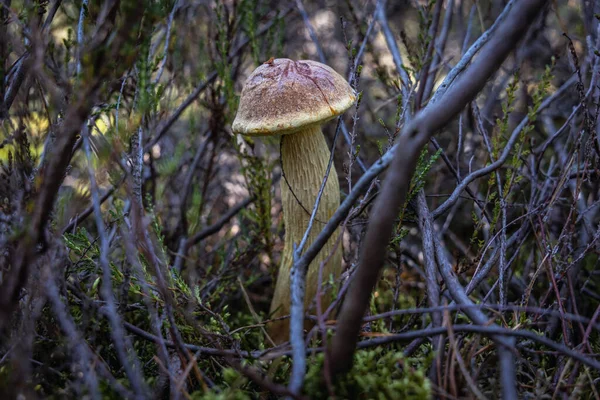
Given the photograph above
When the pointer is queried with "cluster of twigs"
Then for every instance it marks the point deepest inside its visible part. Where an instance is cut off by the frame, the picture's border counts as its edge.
(139, 239)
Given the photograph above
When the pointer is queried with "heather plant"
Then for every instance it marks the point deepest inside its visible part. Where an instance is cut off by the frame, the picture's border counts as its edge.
(141, 239)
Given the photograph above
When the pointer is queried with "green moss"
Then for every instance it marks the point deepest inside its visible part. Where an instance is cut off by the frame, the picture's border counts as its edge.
(377, 373)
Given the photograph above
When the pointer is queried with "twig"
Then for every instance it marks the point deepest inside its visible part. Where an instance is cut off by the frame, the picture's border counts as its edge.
(254, 314)
(456, 174)
(182, 226)
(459, 307)
(90, 209)
(391, 43)
(452, 340)
(440, 45)
(77, 344)
(480, 329)
(51, 14)
(163, 62)
(353, 77)
(270, 354)
(133, 256)
(424, 73)
(431, 280)
(82, 11)
(265, 382)
(216, 227)
(311, 30)
(502, 266)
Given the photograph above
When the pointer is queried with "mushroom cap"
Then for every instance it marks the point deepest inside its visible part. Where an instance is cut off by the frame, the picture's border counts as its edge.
(283, 96)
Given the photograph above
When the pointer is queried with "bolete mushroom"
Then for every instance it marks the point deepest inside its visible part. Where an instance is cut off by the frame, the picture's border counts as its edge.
(292, 99)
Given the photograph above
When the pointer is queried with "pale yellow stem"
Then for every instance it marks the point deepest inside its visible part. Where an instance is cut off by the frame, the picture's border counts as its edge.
(304, 157)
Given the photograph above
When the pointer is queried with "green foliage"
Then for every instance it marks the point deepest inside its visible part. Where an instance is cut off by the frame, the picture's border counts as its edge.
(279, 37)
(507, 108)
(230, 389)
(421, 170)
(86, 253)
(223, 66)
(257, 173)
(423, 37)
(500, 137)
(424, 165)
(416, 53)
(250, 27)
(68, 43)
(149, 93)
(377, 373)
(539, 94)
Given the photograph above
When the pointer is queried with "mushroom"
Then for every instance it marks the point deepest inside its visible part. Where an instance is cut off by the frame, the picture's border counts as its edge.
(292, 99)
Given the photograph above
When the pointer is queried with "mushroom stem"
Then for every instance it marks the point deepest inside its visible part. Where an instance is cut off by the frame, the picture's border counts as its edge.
(304, 158)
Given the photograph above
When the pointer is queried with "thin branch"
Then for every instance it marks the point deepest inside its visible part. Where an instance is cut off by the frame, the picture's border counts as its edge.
(480, 329)
(75, 342)
(90, 209)
(311, 30)
(163, 62)
(440, 45)
(216, 227)
(392, 45)
(82, 12)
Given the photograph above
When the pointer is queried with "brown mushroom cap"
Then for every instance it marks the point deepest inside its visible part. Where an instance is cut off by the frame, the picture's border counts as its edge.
(283, 96)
